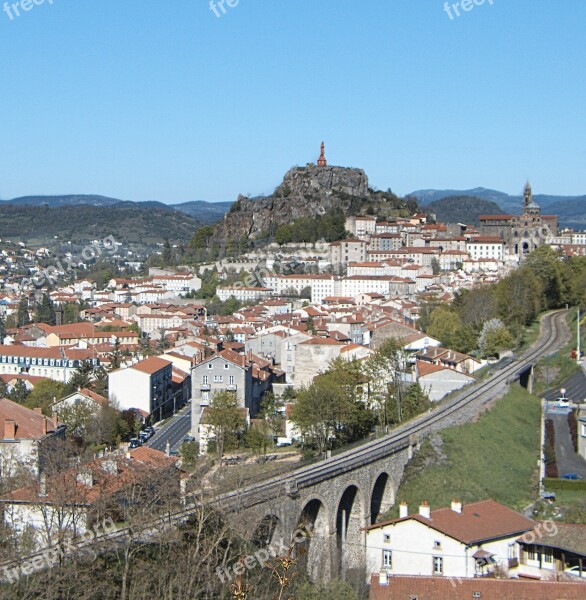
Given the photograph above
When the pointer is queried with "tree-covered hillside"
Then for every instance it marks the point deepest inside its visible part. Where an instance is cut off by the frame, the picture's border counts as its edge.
(463, 209)
(126, 223)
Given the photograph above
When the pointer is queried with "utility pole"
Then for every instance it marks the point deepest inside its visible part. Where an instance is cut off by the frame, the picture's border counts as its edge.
(578, 342)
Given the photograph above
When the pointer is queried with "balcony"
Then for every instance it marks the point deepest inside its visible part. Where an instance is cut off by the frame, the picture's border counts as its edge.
(232, 387)
(205, 387)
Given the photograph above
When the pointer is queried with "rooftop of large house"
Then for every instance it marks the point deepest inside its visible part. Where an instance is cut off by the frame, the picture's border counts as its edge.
(446, 588)
(473, 523)
(20, 423)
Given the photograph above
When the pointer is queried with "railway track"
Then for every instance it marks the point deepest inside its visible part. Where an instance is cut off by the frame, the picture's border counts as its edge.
(551, 337)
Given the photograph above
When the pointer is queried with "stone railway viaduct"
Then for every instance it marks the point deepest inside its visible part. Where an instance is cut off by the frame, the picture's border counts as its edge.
(335, 498)
(339, 496)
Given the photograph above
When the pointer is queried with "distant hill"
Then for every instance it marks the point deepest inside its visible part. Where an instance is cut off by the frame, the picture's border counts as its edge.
(571, 210)
(206, 213)
(463, 209)
(127, 222)
(70, 200)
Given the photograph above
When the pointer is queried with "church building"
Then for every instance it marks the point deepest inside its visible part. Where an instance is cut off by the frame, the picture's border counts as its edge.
(522, 234)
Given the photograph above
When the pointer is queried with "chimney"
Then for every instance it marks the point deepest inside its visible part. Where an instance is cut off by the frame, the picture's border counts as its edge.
(9, 429)
(403, 510)
(44, 425)
(55, 423)
(39, 411)
(424, 510)
(457, 506)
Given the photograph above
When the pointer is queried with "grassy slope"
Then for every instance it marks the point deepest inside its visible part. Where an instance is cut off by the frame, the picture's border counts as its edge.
(496, 457)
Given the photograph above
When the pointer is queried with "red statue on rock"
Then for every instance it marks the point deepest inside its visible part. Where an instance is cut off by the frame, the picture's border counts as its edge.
(321, 161)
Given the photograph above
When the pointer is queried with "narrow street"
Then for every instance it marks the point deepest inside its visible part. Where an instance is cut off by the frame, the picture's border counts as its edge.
(173, 431)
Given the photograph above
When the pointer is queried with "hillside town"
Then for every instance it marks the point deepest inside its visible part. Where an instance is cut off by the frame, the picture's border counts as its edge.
(146, 375)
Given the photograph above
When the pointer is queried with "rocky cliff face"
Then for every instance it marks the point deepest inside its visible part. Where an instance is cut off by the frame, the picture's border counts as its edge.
(305, 192)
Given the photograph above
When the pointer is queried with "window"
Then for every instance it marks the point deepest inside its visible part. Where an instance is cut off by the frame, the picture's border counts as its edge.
(438, 565)
(547, 555)
(531, 553)
(210, 366)
(387, 538)
(226, 366)
(387, 559)
(205, 380)
(437, 544)
(218, 378)
(231, 380)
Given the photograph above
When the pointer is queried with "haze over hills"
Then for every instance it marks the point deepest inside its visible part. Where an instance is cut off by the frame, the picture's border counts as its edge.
(131, 223)
(570, 209)
(463, 209)
(205, 212)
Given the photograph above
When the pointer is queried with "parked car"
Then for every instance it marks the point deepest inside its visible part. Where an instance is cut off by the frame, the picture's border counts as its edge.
(573, 476)
(187, 439)
(563, 401)
(576, 571)
(135, 443)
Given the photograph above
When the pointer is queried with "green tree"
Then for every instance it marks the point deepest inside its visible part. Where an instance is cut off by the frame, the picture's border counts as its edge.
(383, 371)
(71, 313)
(2, 329)
(415, 401)
(225, 420)
(329, 410)
(518, 298)
(259, 437)
(46, 311)
(444, 325)
(19, 392)
(272, 411)
(546, 263)
(81, 377)
(435, 266)
(77, 418)
(22, 315)
(494, 338)
(44, 394)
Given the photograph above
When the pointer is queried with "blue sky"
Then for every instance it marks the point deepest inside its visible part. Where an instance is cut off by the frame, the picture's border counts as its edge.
(163, 100)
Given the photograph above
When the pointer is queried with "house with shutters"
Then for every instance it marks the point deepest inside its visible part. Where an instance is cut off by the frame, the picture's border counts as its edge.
(23, 435)
(461, 541)
(246, 375)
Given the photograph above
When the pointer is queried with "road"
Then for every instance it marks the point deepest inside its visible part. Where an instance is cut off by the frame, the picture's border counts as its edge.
(575, 387)
(173, 431)
(554, 334)
(567, 459)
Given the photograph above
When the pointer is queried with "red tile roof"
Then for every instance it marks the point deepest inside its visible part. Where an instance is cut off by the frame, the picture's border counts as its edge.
(29, 424)
(444, 588)
(478, 522)
(151, 365)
